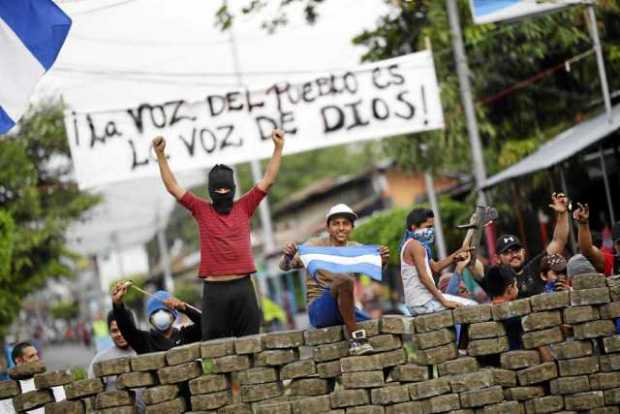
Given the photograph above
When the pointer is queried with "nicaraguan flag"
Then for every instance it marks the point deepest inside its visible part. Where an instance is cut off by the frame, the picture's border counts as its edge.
(354, 259)
(31, 35)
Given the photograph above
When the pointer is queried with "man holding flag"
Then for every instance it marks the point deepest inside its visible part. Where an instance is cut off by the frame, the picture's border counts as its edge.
(331, 263)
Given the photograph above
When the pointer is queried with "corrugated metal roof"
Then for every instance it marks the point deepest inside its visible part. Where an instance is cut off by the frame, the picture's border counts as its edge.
(562, 147)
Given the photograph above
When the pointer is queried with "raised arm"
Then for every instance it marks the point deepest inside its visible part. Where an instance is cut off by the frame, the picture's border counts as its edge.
(135, 337)
(458, 256)
(559, 203)
(274, 164)
(159, 144)
(582, 215)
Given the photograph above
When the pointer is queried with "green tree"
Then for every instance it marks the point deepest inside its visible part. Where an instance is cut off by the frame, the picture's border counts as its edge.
(38, 197)
(65, 309)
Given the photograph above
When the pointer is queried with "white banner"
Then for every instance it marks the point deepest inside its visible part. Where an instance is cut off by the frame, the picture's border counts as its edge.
(488, 11)
(373, 101)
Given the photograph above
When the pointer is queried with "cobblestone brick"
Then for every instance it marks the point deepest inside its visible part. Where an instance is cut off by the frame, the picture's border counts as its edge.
(579, 314)
(360, 363)
(549, 301)
(260, 392)
(458, 366)
(434, 356)
(433, 339)
(135, 380)
(544, 405)
(52, 379)
(417, 407)
(569, 385)
(32, 399)
(252, 344)
(611, 344)
(410, 373)
(230, 363)
(578, 366)
(430, 388)
(524, 393)
(594, 329)
(390, 395)
(114, 398)
(330, 352)
(258, 375)
(65, 407)
(298, 369)
(383, 343)
(595, 296)
(444, 403)
(183, 354)
(208, 384)
(349, 398)
(472, 314)
(584, 401)
(572, 349)
(506, 407)
(588, 281)
(179, 373)
(175, 406)
(311, 405)
(433, 321)
(217, 348)
(537, 374)
(211, 401)
(485, 330)
(322, 336)
(308, 387)
(275, 357)
(475, 380)
(8, 389)
(83, 388)
(511, 309)
(148, 362)
(504, 377)
(605, 380)
(112, 367)
(541, 320)
(362, 379)
(283, 339)
(610, 362)
(483, 397)
(27, 370)
(536, 339)
(487, 346)
(519, 359)
(329, 369)
(610, 310)
(159, 393)
(396, 324)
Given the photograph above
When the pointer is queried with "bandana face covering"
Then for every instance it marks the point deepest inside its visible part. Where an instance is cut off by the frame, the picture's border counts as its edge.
(162, 320)
(425, 236)
(221, 176)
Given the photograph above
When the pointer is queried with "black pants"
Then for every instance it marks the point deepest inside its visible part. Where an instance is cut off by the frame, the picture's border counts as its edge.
(229, 309)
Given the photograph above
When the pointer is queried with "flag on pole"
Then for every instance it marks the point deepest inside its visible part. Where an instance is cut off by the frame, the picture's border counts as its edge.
(31, 35)
(354, 259)
(488, 11)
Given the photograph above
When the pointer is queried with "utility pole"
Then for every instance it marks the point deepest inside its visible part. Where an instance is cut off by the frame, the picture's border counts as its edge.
(164, 257)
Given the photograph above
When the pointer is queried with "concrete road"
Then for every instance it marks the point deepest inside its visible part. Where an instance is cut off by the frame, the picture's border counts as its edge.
(66, 356)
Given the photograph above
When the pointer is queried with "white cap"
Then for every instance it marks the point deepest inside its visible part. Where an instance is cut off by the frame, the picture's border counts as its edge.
(341, 209)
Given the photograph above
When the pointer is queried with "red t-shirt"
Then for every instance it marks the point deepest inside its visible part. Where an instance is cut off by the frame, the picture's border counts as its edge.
(225, 247)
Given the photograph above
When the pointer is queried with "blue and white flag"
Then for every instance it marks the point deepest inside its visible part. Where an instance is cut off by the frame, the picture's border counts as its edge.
(488, 11)
(31, 35)
(354, 259)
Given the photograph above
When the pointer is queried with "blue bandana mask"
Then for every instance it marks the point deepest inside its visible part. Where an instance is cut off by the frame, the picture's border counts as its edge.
(425, 236)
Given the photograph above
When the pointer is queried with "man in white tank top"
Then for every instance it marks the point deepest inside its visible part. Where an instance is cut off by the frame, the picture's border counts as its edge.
(417, 266)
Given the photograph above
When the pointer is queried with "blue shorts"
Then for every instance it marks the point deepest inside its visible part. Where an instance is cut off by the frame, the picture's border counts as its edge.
(323, 312)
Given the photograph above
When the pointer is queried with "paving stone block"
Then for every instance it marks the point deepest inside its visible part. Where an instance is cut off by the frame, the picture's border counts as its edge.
(307, 387)
(211, 401)
(541, 320)
(458, 366)
(330, 352)
(179, 373)
(483, 397)
(52, 379)
(538, 373)
(579, 314)
(511, 309)
(323, 336)
(27, 370)
(237, 408)
(571, 350)
(392, 358)
(230, 363)
(417, 407)
(362, 379)
(390, 395)
(472, 314)
(549, 301)
(578, 366)
(65, 407)
(475, 380)
(112, 367)
(569, 385)
(612, 396)
(433, 339)
(83, 388)
(488, 346)
(610, 362)
(329, 369)
(349, 398)
(519, 359)
(524, 393)
(365, 409)
(276, 357)
(217, 348)
(258, 375)
(114, 398)
(610, 310)
(444, 403)
(260, 392)
(588, 281)
(596, 296)
(175, 406)
(410, 373)
(536, 339)
(159, 393)
(8, 389)
(504, 377)
(148, 362)
(506, 407)
(311, 405)
(135, 380)
(611, 344)
(544, 405)
(433, 321)
(32, 399)
(605, 380)
(126, 409)
(397, 324)
(485, 330)
(594, 329)
(283, 339)
(584, 400)
(209, 383)
(183, 354)
(360, 363)
(280, 407)
(251, 344)
(430, 388)
(604, 410)
(303, 368)
(384, 343)
(372, 327)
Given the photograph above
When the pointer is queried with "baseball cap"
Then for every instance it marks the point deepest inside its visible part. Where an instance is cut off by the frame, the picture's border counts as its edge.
(341, 210)
(507, 241)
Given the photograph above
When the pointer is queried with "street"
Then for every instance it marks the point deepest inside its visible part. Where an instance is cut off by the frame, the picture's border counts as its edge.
(66, 356)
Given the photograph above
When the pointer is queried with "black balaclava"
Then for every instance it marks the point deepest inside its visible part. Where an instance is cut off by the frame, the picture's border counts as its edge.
(221, 176)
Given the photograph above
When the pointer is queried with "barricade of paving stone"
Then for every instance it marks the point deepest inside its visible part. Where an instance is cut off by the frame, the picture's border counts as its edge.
(312, 372)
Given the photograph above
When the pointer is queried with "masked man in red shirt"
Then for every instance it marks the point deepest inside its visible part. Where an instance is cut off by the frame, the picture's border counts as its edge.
(229, 301)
